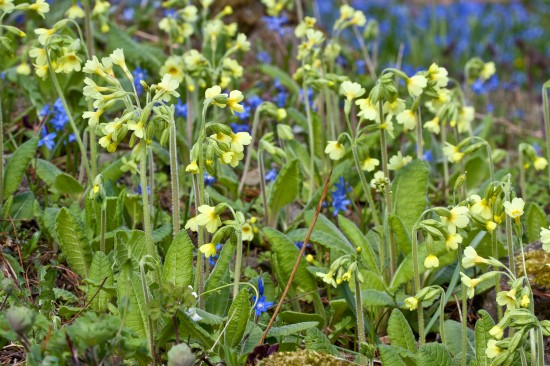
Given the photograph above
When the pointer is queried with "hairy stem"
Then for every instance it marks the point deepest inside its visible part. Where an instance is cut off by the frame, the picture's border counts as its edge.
(174, 179)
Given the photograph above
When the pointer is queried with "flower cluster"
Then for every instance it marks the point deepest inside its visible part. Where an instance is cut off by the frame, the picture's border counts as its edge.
(343, 268)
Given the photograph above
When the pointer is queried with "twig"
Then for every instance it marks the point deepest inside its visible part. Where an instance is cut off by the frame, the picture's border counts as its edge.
(295, 269)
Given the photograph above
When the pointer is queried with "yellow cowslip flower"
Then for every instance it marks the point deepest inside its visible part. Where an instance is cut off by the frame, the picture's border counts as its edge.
(39, 55)
(227, 157)
(138, 128)
(208, 218)
(452, 153)
(23, 69)
(492, 349)
(209, 250)
(6, 6)
(192, 168)
(398, 161)
(41, 71)
(525, 301)
(101, 7)
(368, 110)
(235, 97)
(68, 63)
(490, 226)
(44, 34)
(465, 117)
(395, 107)
(168, 87)
(174, 67)
(433, 125)
(407, 118)
(107, 142)
(93, 117)
(452, 241)
(470, 283)
(192, 224)
(471, 258)
(236, 157)
(309, 258)
(327, 277)
(497, 332)
(458, 218)
(439, 75)
(540, 163)
(239, 140)
(507, 298)
(487, 70)
(41, 7)
(431, 261)
(75, 12)
(411, 303)
(335, 150)
(213, 93)
(481, 207)
(242, 43)
(305, 24)
(416, 85)
(514, 209)
(369, 164)
(247, 233)
(351, 90)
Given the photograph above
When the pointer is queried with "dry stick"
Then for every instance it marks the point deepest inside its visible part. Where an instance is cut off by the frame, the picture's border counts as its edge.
(295, 269)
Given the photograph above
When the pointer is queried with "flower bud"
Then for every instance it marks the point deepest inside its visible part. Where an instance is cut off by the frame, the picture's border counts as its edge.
(20, 319)
(181, 355)
(285, 132)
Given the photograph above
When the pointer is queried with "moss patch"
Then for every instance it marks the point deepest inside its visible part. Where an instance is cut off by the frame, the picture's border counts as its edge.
(538, 271)
(302, 358)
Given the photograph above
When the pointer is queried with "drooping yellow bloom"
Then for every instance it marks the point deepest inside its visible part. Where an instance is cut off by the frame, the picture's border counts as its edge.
(471, 258)
(247, 233)
(192, 168)
(470, 283)
(75, 12)
(138, 128)
(439, 75)
(335, 150)
(168, 87)
(481, 207)
(239, 140)
(368, 110)
(514, 209)
(416, 85)
(540, 163)
(497, 332)
(6, 6)
(23, 69)
(398, 161)
(452, 153)
(507, 298)
(208, 218)
(369, 164)
(68, 63)
(431, 261)
(452, 241)
(433, 125)
(44, 34)
(327, 277)
(493, 350)
(458, 218)
(93, 117)
(545, 238)
(235, 97)
(411, 303)
(351, 90)
(174, 67)
(209, 250)
(407, 118)
(41, 7)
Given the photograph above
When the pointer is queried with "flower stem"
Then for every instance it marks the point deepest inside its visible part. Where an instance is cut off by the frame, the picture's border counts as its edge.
(367, 190)
(174, 179)
(1, 154)
(149, 319)
(445, 163)
(238, 263)
(103, 227)
(145, 199)
(419, 141)
(311, 142)
(521, 172)
(263, 185)
(417, 286)
(464, 304)
(255, 124)
(509, 240)
(360, 322)
(546, 111)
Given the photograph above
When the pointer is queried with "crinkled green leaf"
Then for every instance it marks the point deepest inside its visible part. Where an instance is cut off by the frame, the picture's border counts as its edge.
(483, 326)
(100, 270)
(289, 329)
(73, 243)
(178, 265)
(285, 189)
(433, 354)
(409, 192)
(317, 341)
(534, 220)
(389, 356)
(400, 332)
(237, 319)
(17, 165)
(358, 239)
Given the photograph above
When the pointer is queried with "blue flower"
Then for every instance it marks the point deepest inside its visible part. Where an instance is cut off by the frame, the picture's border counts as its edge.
(254, 101)
(128, 14)
(339, 197)
(264, 57)
(245, 114)
(300, 244)
(271, 175)
(139, 74)
(208, 179)
(262, 306)
(212, 260)
(428, 156)
(138, 190)
(60, 118)
(276, 24)
(237, 127)
(181, 109)
(48, 140)
(280, 98)
(260, 286)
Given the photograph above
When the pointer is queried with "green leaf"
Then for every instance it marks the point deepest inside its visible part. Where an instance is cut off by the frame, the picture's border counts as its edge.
(359, 240)
(121, 248)
(137, 247)
(237, 316)
(534, 220)
(253, 334)
(433, 354)
(178, 265)
(100, 270)
(17, 165)
(73, 243)
(194, 330)
(389, 356)
(285, 189)
(47, 171)
(453, 338)
(400, 332)
(276, 73)
(483, 326)
(221, 267)
(289, 329)
(402, 235)
(287, 253)
(409, 192)
(318, 341)
(22, 207)
(376, 298)
(64, 183)
(293, 317)
(131, 303)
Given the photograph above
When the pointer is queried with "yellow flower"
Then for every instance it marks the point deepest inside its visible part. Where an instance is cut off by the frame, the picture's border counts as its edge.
(327, 277)
(514, 209)
(481, 207)
(369, 164)
(23, 69)
(247, 234)
(395, 107)
(192, 168)
(488, 70)
(416, 84)
(168, 87)
(471, 258)
(452, 241)
(490, 226)
(335, 150)
(545, 238)
(540, 163)
(309, 258)
(208, 218)
(507, 298)
(493, 350)
(138, 128)
(452, 153)
(174, 67)
(368, 110)
(439, 75)
(496, 332)
(407, 118)
(6, 6)
(44, 34)
(411, 303)
(241, 43)
(525, 301)
(209, 250)
(433, 125)
(431, 261)
(233, 101)
(398, 161)
(41, 71)
(75, 12)
(93, 117)
(470, 283)
(239, 139)
(192, 224)
(68, 63)
(117, 57)
(39, 54)
(93, 66)
(41, 7)
(458, 218)
(213, 93)
(351, 90)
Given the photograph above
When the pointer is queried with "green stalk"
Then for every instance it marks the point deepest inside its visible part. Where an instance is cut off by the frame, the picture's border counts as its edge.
(417, 286)
(521, 172)
(88, 31)
(238, 263)
(263, 185)
(71, 119)
(442, 303)
(360, 322)
(464, 303)
(1, 153)
(149, 319)
(255, 124)
(445, 162)
(145, 199)
(311, 142)
(419, 141)
(509, 240)
(368, 193)
(546, 110)
(174, 179)
(540, 347)
(103, 227)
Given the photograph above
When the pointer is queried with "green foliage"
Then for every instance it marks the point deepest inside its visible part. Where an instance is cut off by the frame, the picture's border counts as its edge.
(238, 315)
(73, 243)
(535, 218)
(400, 332)
(285, 189)
(409, 191)
(178, 265)
(100, 283)
(433, 354)
(317, 341)
(17, 165)
(290, 329)
(482, 336)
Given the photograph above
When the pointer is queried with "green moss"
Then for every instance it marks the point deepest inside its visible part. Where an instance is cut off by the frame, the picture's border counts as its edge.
(302, 358)
(539, 272)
